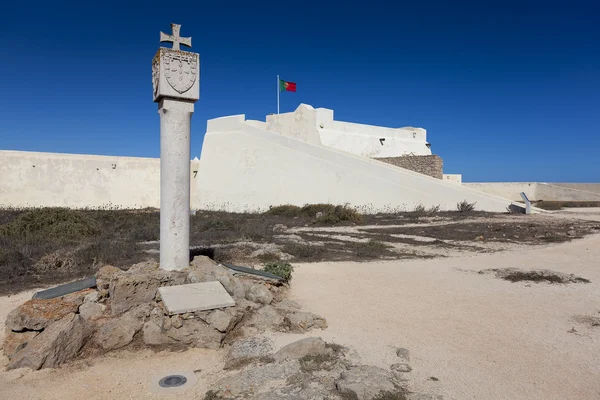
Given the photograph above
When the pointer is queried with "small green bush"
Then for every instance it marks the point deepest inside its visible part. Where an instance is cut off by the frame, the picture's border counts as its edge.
(465, 206)
(280, 268)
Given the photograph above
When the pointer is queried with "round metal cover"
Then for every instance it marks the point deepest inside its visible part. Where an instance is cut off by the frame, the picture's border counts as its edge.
(172, 381)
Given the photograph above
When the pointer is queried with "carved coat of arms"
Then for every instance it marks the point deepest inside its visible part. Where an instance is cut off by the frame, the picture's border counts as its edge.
(181, 70)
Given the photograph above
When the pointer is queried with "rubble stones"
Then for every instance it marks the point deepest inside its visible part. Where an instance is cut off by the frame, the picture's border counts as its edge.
(303, 347)
(299, 321)
(203, 269)
(249, 382)
(364, 382)
(221, 320)
(403, 353)
(176, 321)
(37, 314)
(60, 342)
(259, 294)
(401, 367)
(266, 317)
(91, 297)
(248, 350)
(91, 310)
(287, 304)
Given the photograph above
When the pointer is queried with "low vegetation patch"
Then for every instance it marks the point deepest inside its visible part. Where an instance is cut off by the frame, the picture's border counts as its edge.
(280, 268)
(370, 249)
(59, 224)
(465, 206)
(559, 205)
(537, 276)
(286, 210)
(305, 251)
(322, 213)
(390, 396)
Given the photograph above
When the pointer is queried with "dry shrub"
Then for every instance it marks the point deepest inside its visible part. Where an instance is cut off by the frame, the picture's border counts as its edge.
(57, 224)
(304, 252)
(370, 249)
(286, 210)
(465, 206)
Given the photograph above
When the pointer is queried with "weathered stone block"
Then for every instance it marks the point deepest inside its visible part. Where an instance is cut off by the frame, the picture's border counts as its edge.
(266, 317)
(303, 347)
(299, 321)
(37, 314)
(259, 294)
(203, 269)
(16, 341)
(192, 332)
(128, 290)
(247, 350)
(59, 342)
(114, 333)
(364, 382)
(221, 320)
(91, 310)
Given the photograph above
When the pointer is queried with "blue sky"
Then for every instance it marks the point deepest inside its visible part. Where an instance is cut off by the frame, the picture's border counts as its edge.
(507, 92)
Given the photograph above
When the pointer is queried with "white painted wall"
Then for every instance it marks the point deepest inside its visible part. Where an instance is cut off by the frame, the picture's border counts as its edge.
(317, 126)
(31, 179)
(508, 190)
(453, 178)
(536, 191)
(263, 169)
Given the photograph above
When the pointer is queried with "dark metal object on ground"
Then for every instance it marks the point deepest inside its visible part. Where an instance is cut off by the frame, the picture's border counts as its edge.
(67, 288)
(172, 381)
(253, 271)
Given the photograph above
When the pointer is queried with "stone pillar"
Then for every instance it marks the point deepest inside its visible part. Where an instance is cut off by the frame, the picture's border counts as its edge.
(175, 77)
(175, 121)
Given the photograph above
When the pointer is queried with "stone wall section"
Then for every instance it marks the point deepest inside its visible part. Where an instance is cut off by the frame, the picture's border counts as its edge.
(432, 165)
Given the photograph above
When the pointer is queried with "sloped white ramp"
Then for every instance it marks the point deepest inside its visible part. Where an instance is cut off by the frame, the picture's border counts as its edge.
(246, 168)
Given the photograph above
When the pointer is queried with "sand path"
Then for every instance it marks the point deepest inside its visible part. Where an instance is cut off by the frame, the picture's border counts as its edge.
(482, 337)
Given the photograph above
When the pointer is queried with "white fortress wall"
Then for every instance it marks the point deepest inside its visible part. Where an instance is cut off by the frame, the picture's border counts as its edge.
(538, 190)
(317, 126)
(32, 179)
(265, 169)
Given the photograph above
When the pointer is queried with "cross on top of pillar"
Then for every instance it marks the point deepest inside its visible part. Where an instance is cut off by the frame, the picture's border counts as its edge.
(175, 38)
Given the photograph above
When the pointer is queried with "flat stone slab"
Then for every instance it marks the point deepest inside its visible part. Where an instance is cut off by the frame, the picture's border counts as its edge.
(195, 297)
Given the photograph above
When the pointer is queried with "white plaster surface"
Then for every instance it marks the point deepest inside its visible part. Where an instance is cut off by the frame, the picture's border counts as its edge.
(317, 126)
(453, 178)
(263, 169)
(195, 297)
(32, 179)
(538, 190)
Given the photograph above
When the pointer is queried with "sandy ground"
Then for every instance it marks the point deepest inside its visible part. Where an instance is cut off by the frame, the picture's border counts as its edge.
(482, 337)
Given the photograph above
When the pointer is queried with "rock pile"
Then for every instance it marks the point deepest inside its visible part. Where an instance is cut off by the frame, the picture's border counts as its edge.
(305, 369)
(126, 307)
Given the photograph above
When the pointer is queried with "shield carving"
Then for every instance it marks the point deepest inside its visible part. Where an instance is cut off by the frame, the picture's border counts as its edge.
(181, 71)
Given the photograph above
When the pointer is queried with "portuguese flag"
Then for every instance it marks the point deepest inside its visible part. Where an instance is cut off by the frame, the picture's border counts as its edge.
(285, 86)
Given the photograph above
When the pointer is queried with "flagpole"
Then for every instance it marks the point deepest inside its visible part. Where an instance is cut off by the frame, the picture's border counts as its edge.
(277, 94)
